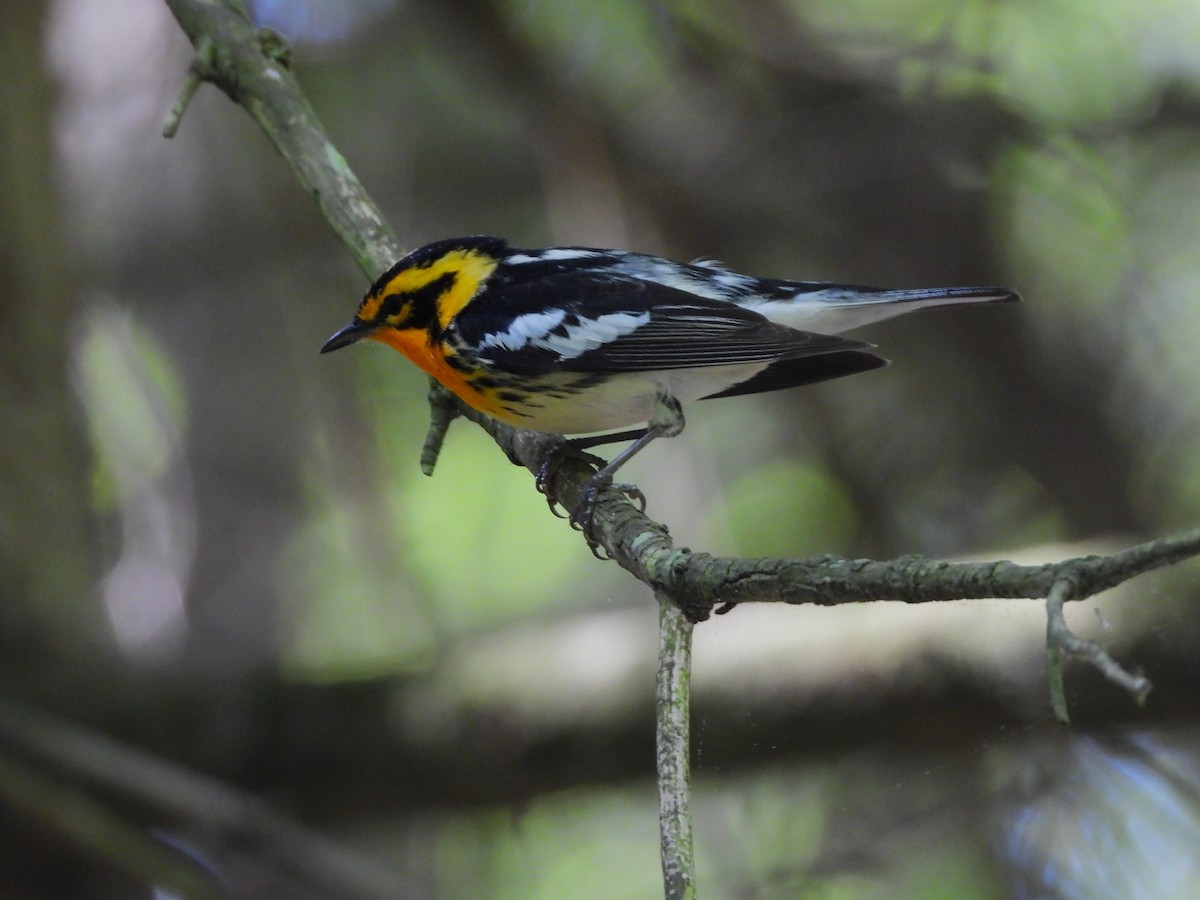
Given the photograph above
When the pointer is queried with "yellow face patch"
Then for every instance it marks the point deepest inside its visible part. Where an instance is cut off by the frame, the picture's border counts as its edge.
(461, 271)
(471, 269)
(368, 310)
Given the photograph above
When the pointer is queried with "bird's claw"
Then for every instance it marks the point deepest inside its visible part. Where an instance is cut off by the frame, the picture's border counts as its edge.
(582, 516)
(634, 493)
(549, 469)
(545, 474)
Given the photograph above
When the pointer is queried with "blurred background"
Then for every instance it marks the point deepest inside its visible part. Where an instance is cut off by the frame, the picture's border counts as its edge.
(239, 626)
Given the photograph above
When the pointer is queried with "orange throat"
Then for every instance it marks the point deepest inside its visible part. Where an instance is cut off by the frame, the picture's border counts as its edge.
(414, 343)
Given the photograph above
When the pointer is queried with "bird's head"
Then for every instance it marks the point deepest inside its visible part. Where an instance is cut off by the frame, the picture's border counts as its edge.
(423, 291)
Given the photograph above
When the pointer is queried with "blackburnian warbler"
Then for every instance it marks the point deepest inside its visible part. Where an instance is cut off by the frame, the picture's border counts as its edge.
(573, 340)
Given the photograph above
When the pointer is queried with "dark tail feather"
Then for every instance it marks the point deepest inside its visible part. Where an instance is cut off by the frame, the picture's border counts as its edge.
(800, 370)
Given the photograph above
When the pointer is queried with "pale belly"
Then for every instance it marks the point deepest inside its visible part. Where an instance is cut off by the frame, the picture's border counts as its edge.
(567, 406)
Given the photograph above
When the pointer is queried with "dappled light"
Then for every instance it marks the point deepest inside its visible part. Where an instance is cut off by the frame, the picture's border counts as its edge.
(133, 404)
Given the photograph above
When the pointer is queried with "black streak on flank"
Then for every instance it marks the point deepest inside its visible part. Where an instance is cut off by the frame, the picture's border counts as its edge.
(454, 361)
(487, 382)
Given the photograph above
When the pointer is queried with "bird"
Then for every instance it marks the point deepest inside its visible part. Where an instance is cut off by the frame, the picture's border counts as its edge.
(582, 340)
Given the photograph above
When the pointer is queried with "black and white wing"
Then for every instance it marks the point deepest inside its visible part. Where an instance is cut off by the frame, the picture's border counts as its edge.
(579, 321)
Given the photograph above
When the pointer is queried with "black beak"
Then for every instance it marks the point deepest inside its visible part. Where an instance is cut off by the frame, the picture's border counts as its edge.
(352, 333)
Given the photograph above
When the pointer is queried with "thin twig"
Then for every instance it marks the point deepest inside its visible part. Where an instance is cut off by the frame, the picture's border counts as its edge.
(197, 74)
(673, 714)
(1061, 640)
(252, 68)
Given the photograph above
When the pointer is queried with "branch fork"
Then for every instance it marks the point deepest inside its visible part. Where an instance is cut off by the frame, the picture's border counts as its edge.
(701, 584)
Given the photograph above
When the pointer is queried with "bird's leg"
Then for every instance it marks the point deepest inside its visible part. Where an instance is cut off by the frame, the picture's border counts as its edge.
(667, 421)
(597, 440)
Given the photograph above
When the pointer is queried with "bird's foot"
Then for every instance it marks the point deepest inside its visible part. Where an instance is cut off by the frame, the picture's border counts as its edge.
(583, 515)
(547, 471)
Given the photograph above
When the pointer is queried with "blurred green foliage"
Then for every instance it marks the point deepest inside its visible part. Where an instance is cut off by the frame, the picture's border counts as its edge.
(784, 491)
(134, 399)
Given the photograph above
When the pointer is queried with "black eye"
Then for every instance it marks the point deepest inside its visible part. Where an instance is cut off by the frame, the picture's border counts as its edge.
(391, 306)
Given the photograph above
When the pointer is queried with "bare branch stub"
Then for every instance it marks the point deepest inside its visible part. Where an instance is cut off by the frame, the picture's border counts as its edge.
(443, 410)
(1062, 642)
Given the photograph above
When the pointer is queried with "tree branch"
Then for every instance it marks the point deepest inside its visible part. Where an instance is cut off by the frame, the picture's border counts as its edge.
(673, 707)
(700, 583)
(252, 66)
